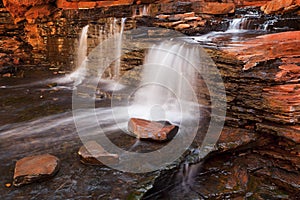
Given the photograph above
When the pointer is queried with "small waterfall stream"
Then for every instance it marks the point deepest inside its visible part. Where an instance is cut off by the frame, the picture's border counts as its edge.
(82, 46)
(111, 30)
(119, 50)
(168, 78)
(237, 25)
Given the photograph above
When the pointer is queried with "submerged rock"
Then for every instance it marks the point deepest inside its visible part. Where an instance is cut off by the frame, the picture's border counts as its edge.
(91, 153)
(153, 130)
(35, 168)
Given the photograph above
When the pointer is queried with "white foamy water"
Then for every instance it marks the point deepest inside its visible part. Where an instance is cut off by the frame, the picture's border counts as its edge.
(118, 51)
(80, 69)
(167, 90)
(236, 26)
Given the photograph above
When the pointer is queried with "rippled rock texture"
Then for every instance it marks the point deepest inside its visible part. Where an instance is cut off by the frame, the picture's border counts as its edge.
(35, 168)
(266, 79)
(280, 6)
(258, 151)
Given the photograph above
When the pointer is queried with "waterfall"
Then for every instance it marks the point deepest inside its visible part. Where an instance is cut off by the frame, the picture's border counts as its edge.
(119, 50)
(80, 70)
(169, 75)
(266, 24)
(82, 46)
(237, 25)
(145, 11)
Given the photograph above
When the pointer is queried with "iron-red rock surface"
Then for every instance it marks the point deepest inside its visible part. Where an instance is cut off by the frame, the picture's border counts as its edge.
(18, 8)
(261, 78)
(145, 129)
(92, 153)
(35, 168)
(280, 6)
(267, 47)
(215, 8)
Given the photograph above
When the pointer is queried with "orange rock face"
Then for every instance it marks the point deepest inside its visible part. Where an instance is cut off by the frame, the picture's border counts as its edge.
(268, 47)
(215, 8)
(18, 8)
(91, 4)
(38, 12)
(268, 93)
(280, 6)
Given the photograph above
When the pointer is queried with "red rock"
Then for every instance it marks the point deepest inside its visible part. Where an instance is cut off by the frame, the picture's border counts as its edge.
(163, 16)
(145, 129)
(38, 12)
(252, 3)
(192, 18)
(283, 99)
(267, 47)
(184, 15)
(64, 4)
(92, 153)
(7, 75)
(281, 177)
(282, 155)
(35, 168)
(18, 8)
(288, 72)
(279, 6)
(232, 138)
(215, 8)
(290, 132)
(202, 23)
(182, 26)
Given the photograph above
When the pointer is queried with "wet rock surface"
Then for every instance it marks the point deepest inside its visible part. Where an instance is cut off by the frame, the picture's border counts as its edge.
(257, 172)
(280, 6)
(93, 153)
(258, 150)
(271, 71)
(35, 168)
(14, 51)
(153, 130)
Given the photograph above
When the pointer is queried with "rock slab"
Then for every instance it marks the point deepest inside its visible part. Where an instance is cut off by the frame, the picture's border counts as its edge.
(35, 168)
(93, 153)
(153, 130)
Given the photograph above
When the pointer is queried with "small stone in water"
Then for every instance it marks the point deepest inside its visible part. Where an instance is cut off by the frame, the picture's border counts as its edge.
(7, 185)
(52, 85)
(35, 168)
(154, 130)
(92, 153)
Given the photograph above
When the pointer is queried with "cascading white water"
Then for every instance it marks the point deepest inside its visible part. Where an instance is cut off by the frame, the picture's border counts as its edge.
(82, 46)
(119, 50)
(110, 30)
(145, 11)
(167, 85)
(78, 74)
(237, 25)
(268, 23)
